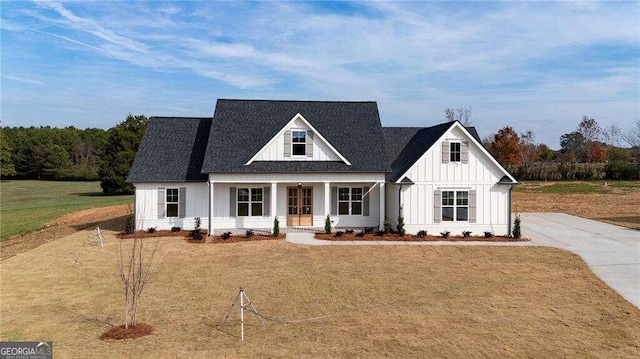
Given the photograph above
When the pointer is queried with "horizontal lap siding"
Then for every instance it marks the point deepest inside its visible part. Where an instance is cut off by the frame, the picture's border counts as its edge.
(146, 210)
(223, 220)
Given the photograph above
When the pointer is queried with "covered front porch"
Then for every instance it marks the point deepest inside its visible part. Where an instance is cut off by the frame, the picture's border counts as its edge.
(299, 201)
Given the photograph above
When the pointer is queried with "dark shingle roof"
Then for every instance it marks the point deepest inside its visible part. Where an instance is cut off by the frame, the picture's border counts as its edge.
(405, 145)
(474, 133)
(241, 128)
(172, 149)
(396, 138)
(413, 148)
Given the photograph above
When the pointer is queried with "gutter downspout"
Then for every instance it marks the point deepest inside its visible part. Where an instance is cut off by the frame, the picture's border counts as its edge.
(209, 224)
(509, 225)
(399, 201)
(135, 208)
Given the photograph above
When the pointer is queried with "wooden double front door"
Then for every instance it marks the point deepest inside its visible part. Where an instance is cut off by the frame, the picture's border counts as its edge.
(299, 206)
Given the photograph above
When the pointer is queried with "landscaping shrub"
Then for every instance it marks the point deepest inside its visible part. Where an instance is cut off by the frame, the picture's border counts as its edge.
(176, 229)
(360, 234)
(128, 226)
(488, 234)
(400, 226)
(369, 230)
(445, 234)
(349, 231)
(466, 234)
(380, 233)
(422, 233)
(249, 233)
(151, 230)
(225, 235)
(339, 233)
(195, 234)
(516, 227)
(327, 224)
(197, 223)
(276, 227)
(387, 226)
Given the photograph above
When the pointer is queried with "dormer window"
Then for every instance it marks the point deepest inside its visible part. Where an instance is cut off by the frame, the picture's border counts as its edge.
(298, 142)
(454, 152)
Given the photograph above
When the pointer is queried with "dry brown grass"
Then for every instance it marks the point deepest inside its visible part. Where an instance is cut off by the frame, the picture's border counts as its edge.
(399, 301)
(619, 206)
(112, 218)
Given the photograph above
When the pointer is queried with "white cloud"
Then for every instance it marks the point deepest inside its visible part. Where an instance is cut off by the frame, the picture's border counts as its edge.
(515, 61)
(22, 79)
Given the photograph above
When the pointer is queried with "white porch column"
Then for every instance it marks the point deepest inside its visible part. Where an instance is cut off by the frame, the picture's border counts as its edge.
(382, 205)
(211, 214)
(327, 199)
(274, 204)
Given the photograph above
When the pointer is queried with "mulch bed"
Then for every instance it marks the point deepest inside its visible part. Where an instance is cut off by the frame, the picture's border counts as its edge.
(236, 239)
(414, 238)
(120, 333)
(187, 236)
(159, 233)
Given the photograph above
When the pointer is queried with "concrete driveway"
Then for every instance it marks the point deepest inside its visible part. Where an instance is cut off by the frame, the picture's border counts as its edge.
(612, 252)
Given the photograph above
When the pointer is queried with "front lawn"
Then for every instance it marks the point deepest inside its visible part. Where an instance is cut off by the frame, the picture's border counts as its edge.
(28, 205)
(337, 301)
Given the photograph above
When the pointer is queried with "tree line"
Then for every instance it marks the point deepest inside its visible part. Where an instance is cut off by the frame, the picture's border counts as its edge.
(589, 152)
(91, 154)
(69, 153)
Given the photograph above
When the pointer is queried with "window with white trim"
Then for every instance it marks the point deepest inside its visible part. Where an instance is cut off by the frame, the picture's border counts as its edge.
(454, 152)
(172, 202)
(350, 200)
(249, 202)
(299, 142)
(455, 206)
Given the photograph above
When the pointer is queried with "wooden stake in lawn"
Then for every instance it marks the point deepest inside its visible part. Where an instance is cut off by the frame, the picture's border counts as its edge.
(95, 237)
(241, 296)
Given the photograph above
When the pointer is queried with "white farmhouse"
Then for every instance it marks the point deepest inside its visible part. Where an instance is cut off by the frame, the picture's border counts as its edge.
(304, 160)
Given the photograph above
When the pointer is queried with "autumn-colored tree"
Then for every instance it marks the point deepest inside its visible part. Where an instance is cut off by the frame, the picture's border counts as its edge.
(598, 152)
(505, 146)
(592, 132)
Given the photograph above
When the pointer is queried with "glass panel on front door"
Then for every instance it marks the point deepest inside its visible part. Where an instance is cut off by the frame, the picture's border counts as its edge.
(300, 206)
(293, 201)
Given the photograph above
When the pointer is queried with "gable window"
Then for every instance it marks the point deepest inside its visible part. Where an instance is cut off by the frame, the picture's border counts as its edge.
(350, 200)
(249, 202)
(299, 142)
(455, 206)
(172, 202)
(454, 152)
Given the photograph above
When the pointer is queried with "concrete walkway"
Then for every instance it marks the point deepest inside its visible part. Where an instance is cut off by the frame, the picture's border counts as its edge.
(612, 252)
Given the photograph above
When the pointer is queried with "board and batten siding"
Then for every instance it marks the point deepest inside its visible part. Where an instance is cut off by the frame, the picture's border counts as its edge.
(276, 150)
(430, 174)
(146, 205)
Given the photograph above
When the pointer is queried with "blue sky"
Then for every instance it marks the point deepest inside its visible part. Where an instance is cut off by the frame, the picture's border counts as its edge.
(529, 65)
